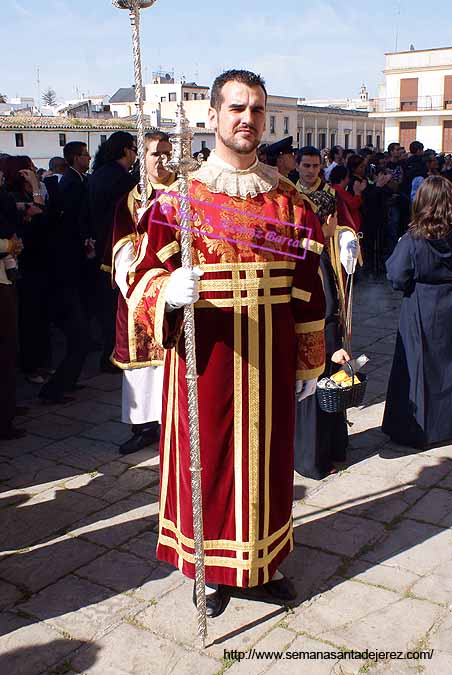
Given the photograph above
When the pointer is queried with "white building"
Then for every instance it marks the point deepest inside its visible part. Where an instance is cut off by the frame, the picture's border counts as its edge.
(360, 102)
(44, 137)
(417, 101)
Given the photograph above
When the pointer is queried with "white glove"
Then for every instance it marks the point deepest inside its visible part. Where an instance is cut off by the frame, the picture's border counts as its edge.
(305, 388)
(349, 246)
(182, 288)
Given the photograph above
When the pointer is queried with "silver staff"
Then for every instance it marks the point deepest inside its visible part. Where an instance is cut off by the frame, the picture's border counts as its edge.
(134, 7)
(183, 163)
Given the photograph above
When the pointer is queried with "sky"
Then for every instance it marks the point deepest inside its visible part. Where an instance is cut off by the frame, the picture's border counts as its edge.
(320, 49)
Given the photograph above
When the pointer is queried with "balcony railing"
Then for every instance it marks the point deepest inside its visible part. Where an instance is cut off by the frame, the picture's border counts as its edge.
(421, 104)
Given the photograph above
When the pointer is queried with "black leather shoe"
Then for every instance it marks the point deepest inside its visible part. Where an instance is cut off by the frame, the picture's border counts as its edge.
(282, 589)
(139, 441)
(216, 602)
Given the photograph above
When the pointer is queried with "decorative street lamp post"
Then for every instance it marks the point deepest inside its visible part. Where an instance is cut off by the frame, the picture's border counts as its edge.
(182, 164)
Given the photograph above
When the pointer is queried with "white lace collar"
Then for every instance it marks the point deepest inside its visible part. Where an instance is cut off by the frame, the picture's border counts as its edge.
(219, 176)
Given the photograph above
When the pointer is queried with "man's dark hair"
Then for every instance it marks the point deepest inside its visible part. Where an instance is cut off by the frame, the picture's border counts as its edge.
(365, 152)
(416, 147)
(54, 162)
(112, 149)
(156, 136)
(70, 151)
(243, 76)
(392, 147)
(337, 174)
(309, 151)
(353, 162)
(335, 150)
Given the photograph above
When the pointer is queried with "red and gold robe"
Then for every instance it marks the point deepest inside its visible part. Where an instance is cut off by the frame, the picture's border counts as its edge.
(127, 353)
(259, 326)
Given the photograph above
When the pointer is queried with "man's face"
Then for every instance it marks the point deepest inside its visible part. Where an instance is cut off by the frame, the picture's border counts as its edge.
(240, 121)
(395, 153)
(157, 155)
(339, 156)
(286, 163)
(309, 169)
(82, 160)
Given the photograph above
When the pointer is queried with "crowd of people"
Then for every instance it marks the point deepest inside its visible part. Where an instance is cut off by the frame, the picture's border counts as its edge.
(78, 248)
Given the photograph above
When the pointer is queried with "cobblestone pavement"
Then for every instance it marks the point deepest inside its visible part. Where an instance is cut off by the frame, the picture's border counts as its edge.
(81, 591)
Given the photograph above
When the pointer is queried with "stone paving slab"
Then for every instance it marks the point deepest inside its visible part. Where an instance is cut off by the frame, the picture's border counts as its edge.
(85, 594)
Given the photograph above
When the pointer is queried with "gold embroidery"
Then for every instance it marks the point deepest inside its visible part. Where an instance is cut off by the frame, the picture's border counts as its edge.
(134, 300)
(244, 302)
(167, 251)
(160, 311)
(167, 441)
(311, 245)
(253, 422)
(247, 284)
(238, 421)
(134, 365)
(310, 326)
(116, 248)
(268, 419)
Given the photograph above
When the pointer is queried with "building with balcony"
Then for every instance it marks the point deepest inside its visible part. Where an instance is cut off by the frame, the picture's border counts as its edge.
(417, 101)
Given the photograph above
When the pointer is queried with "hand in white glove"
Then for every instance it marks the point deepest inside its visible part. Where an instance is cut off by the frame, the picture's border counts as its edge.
(305, 388)
(182, 288)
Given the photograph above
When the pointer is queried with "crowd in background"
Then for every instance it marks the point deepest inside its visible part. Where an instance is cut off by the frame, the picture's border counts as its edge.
(55, 244)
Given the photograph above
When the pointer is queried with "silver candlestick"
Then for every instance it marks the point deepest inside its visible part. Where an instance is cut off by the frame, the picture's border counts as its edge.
(134, 7)
(182, 163)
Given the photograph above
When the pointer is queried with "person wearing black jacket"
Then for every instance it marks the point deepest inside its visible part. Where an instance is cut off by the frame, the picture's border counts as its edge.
(67, 253)
(111, 180)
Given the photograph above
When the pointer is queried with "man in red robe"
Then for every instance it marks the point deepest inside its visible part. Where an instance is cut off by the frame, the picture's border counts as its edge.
(259, 338)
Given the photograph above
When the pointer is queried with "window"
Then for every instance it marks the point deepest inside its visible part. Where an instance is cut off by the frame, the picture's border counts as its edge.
(202, 97)
(202, 125)
(378, 142)
(162, 99)
(195, 97)
(332, 140)
(407, 133)
(62, 139)
(203, 145)
(359, 141)
(369, 139)
(272, 124)
(447, 136)
(186, 96)
(172, 96)
(322, 141)
(103, 138)
(19, 140)
(286, 125)
(346, 141)
(309, 138)
(408, 93)
(448, 92)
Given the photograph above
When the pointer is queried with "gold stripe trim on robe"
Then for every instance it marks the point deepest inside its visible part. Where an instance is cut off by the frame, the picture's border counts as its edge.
(248, 284)
(244, 302)
(117, 247)
(238, 421)
(105, 268)
(244, 267)
(141, 253)
(253, 425)
(226, 544)
(310, 326)
(310, 374)
(167, 251)
(299, 294)
(177, 448)
(268, 420)
(253, 565)
(134, 365)
(160, 311)
(311, 245)
(167, 441)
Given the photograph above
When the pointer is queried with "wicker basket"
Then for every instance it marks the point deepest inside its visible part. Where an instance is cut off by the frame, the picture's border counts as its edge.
(338, 400)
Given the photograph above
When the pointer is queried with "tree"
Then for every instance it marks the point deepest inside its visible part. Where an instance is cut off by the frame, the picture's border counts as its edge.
(3, 98)
(49, 97)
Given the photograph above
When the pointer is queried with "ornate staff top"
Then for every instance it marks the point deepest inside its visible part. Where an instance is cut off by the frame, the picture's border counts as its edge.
(129, 4)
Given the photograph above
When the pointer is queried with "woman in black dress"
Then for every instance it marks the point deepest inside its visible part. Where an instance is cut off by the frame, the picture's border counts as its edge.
(418, 409)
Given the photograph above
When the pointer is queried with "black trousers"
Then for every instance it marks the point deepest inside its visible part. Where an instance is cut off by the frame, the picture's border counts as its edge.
(107, 304)
(34, 323)
(8, 351)
(67, 313)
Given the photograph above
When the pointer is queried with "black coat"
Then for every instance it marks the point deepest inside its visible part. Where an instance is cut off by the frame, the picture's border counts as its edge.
(68, 242)
(106, 186)
(419, 400)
